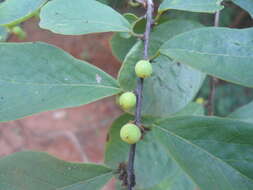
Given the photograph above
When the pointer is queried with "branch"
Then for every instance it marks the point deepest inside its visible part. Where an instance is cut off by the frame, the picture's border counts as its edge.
(213, 81)
(138, 91)
(217, 19)
(238, 20)
(211, 97)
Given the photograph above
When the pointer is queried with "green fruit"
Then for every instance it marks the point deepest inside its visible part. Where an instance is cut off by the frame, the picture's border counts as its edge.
(19, 32)
(127, 100)
(16, 30)
(130, 133)
(134, 4)
(143, 69)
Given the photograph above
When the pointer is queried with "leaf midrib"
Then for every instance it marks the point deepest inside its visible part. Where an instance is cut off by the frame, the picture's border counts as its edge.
(198, 147)
(61, 188)
(120, 28)
(58, 84)
(166, 51)
(86, 181)
(211, 10)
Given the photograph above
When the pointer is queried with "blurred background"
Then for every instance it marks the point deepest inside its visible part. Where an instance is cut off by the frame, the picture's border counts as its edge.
(79, 134)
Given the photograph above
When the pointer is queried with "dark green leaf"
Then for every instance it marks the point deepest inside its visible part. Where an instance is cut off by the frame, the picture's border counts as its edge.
(34, 170)
(119, 44)
(139, 25)
(227, 15)
(208, 6)
(130, 17)
(245, 4)
(216, 153)
(191, 109)
(13, 12)
(171, 87)
(245, 113)
(160, 34)
(39, 77)
(103, 1)
(176, 181)
(228, 96)
(81, 17)
(221, 52)
(153, 168)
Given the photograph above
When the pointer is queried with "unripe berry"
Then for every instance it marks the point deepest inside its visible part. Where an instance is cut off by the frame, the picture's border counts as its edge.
(143, 69)
(130, 133)
(127, 100)
(200, 100)
(19, 32)
(16, 30)
(134, 4)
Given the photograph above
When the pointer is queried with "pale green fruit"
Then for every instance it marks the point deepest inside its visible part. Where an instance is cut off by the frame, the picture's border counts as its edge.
(143, 69)
(19, 32)
(127, 100)
(130, 133)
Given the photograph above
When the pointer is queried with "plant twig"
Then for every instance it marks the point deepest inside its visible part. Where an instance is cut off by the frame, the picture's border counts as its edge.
(239, 19)
(138, 91)
(217, 19)
(213, 80)
(211, 97)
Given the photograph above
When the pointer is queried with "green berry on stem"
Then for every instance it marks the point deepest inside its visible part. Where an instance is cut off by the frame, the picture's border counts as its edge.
(127, 100)
(19, 32)
(143, 69)
(134, 4)
(130, 133)
(16, 30)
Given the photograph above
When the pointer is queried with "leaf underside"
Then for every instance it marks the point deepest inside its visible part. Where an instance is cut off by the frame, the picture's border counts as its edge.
(40, 77)
(35, 170)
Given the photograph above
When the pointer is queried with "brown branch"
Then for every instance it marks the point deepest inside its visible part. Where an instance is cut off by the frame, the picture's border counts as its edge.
(130, 167)
(238, 20)
(213, 80)
(211, 97)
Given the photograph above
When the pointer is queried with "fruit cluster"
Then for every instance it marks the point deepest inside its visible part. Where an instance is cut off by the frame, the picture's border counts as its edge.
(131, 133)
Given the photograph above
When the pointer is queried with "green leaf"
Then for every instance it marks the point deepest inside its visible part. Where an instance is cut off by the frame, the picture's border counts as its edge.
(131, 17)
(164, 172)
(168, 75)
(13, 12)
(160, 34)
(227, 16)
(245, 113)
(171, 87)
(139, 25)
(40, 171)
(224, 53)
(121, 45)
(3, 34)
(191, 109)
(176, 181)
(103, 1)
(216, 153)
(245, 4)
(39, 77)
(81, 17)
(228, 96)
(207, 6)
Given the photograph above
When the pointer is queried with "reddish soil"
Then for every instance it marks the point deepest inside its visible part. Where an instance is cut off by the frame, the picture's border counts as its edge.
(76, 134)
